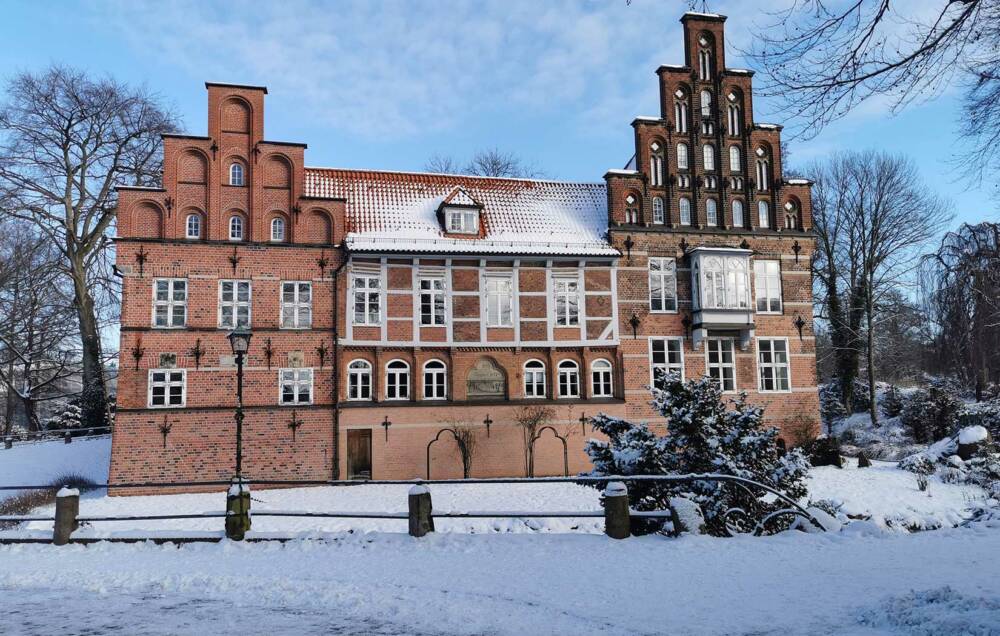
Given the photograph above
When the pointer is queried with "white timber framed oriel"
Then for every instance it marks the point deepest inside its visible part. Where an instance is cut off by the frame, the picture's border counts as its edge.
(720, 294)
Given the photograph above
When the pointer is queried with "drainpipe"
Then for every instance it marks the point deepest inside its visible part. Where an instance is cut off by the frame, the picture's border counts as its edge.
(336, 362)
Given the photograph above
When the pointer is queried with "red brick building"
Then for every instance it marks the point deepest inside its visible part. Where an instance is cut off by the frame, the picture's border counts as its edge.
(387, 307)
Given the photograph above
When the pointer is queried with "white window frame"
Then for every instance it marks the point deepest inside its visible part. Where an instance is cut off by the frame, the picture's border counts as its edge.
(602, 378)
(711, 212)
(462, 220)
(773, 366)
(659, 211)
(166, 384)
(741, 222)
(706, 104)
(371, 299)
(683, 160)
(439, 384)
(665, 269)
(398, 379)
(531, 379)
(708, 156)
(300, 377)
(437, 301)
(667, 366)
(278, 222)
(355, 374)
(721, 366)
(194, 216)
(235, 303)
(296, 305)
(565, 300)
(497, 301)
(684, 208)
(735, 159)
(170, 303)
(236, 223)
(767, 285)
(763, 214)
(568, 373)
(237, 174)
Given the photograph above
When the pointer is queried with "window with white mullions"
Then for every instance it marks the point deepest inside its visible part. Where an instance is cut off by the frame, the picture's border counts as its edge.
(722, 362)
(397, 380)
(435, 380)
(167, 388)
(193, 226)
(725, 283)
(463, 220)
(767, 286)
(601, 378)
(359, 380)
(684, 205)
(772, 365)
(296, 386)
(499, 298)
(296, 305)
(534, 379)
(432, 301)
(659, 216)
(665, 356)
(169, 302)
(567, 302)
(367, 299)
(662, 284)
(234, 304)
(569, 379)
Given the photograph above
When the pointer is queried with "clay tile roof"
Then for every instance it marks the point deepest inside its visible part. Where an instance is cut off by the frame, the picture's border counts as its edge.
(397, 212)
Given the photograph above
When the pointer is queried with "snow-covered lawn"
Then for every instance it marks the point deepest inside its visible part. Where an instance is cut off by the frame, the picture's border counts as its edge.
(940, 582)
(40, 463)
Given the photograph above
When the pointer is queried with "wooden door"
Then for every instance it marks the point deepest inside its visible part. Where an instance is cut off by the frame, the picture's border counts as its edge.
(359, 454)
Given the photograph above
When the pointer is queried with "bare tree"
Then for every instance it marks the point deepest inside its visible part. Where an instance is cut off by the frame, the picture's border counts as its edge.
(67, 141)
(442, 164)
(486, 163)
(531, 419)
(820, 60)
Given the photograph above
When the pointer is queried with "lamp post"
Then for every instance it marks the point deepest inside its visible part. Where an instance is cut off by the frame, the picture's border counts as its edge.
(239, 339)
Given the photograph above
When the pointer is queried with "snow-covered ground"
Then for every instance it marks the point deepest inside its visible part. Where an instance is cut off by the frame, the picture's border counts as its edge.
(39, 463)
(861, 582)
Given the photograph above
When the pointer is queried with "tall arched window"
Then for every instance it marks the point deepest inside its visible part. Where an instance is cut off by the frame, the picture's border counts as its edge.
(735, 161)
(656, 164)
(682, 156)
(569, 379)
(658, 215)
(711, 213)
(601, 382)
(704, 64)
(738, 220)
(236, 228)
(397, 380)
(708, 155)
(706, 103)
(277, 229)
(685, 209)
(680, 111)
(359, 380)
(734, 121)
(763, 214)
(193, 226)
(534, 379)
(763, 171)
(236, 174)
(435, 380)
(791, 216)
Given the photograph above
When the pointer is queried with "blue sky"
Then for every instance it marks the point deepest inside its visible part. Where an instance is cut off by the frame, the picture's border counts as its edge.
(388, 84)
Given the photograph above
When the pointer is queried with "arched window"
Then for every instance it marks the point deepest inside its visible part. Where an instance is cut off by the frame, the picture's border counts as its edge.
(236, 174)
(277, 229)
(682, 156)
(656, 164)
(704, 65)
(706, 103)
(791, 216)
(738, 220)
(685, 209)
(658, 216)
(534, 379)
(601, 383)
(680, 111)
(569, 379)
(711, 213)
(435, 380)
(236, 228)
(397, 380)
(193, 226)
(359, 380)
(763, 171)
(733, 120)
(708, 155)
(631, 209)
(735, 162)
(763, 214)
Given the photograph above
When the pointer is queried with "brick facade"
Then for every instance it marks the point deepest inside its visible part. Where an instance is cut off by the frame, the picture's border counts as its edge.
(330, 277)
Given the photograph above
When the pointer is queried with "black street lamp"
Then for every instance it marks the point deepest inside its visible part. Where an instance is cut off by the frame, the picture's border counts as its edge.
(239, 339)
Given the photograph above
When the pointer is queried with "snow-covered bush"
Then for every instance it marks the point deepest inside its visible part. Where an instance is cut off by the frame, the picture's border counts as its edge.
(931, 413)
(831, 406)
(68, 419)
(892, 401)
(986, 414)
(703, 436)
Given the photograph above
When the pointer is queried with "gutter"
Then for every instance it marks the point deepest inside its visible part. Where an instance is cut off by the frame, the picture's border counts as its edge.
(336, 361)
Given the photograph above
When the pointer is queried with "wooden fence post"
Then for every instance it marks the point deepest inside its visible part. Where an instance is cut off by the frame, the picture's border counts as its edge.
(237, 510)
(8, 443)
(67, 510)
(616, 514)
(421, 519)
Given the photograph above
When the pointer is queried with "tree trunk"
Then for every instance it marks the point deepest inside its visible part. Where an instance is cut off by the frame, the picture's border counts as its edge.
(872, 398)
(93, 403)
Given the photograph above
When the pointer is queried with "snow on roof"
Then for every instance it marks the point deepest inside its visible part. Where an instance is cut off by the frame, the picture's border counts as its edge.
(696, 14)
(648, 118)
(769, 126)
(627, 172)
(799, 182)
(397, 211)
(739, 70)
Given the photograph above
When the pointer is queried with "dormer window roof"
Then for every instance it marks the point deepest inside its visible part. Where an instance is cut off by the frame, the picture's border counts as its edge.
(460, 213)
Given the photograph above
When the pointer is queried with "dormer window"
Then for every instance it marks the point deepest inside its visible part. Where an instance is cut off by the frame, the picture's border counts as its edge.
(236, 174)
(462, 220)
